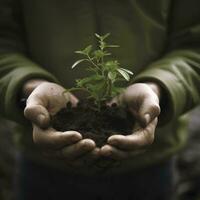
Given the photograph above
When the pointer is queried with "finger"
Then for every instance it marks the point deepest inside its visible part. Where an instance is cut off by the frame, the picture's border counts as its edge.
(90, 157)
(139, 139)
(74, 101)
(117, 154)
(72, 152)
(38, 115)
(52, 139)
(36, 111)
(76, 150)
(149, 110)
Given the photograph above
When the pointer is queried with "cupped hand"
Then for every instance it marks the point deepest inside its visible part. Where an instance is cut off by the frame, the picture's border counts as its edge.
(67, 146)
(142, 100)
(45, 100)
(121, 147)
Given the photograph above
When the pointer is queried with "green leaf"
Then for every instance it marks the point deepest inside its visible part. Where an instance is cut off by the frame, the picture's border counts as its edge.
(112, 46)
(85, 51)
(126, 70)
(102, 37)
(102, 45)
(98, 89)
(80, 52)
(105, 36)
(112, 65)
(98, 54)
(106, 53)
(97, 35)
(116, 90)
(124, 74)
(88, 49)
(92, 79)
(112, 75)
(78, 62)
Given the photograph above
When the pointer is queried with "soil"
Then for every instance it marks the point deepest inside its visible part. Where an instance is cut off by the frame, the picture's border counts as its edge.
(93, 123)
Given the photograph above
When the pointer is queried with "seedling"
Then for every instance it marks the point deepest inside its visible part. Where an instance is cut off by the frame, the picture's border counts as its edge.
(105, 74)
(92, 118)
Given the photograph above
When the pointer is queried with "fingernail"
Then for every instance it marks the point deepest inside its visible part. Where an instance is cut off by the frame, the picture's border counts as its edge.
(147, 118)
(76, 138)
(41, 119)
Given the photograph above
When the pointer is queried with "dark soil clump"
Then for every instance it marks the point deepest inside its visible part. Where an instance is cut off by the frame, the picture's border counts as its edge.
(92, 123)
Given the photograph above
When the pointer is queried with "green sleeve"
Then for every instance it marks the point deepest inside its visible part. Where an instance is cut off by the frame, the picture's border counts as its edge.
(178, 71)
(15, 66)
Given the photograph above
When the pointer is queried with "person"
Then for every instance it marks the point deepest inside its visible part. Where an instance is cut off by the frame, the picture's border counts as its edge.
(159, 42)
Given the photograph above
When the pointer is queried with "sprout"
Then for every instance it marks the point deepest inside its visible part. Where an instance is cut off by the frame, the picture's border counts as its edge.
(105, 73)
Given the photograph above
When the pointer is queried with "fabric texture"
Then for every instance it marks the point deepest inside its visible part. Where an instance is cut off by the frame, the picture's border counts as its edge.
(35, 181)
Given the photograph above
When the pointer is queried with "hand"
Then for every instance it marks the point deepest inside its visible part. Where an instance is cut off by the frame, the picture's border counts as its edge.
(142, 100)
(47, 99)
(66, 146)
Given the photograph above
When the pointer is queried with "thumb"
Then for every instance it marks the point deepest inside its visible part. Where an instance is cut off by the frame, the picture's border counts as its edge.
(36, 112)
(149, 110)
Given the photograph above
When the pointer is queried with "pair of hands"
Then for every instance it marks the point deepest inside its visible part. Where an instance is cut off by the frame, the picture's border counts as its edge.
(45, 99)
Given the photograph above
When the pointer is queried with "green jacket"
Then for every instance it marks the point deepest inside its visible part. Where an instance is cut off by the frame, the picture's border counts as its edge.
(159, 41)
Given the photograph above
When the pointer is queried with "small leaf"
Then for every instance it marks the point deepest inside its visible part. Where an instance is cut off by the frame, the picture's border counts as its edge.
(102, 37)
(94, 79)
(105, 36)
(78, 62)
(112, 65)
(102, 45)
(116, 91)
(106, 53)
(112, 46)
(85, 51)
(112, 75)
(88, 49)
(80, 52)
(124, 74)
(97, 35)
(99, 54)
(126, 70)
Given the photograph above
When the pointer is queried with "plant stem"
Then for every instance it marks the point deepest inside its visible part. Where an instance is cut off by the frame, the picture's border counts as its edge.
(90, 59)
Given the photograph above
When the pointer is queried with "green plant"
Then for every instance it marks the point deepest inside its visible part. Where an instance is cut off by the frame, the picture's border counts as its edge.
(106, 73)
